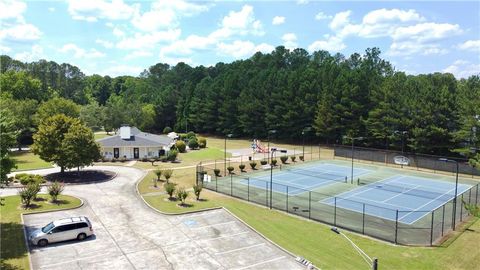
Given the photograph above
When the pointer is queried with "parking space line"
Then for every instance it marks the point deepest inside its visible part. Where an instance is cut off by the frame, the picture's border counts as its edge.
(260, 263)
(224, 236)
(211, 225)
(238, 249)
(74, 260)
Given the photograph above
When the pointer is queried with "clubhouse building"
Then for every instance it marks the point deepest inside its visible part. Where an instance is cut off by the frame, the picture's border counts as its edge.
(131, 143)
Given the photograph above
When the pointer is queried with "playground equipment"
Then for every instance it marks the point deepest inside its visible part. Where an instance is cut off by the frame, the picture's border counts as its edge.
(258, 147)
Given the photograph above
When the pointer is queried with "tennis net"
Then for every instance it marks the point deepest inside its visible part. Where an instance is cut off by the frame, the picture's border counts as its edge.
(317, 174)
(417, 191)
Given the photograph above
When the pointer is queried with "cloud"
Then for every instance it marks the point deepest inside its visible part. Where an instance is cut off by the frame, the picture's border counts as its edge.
(290, 41)
(120, 70)
(34, 54)
(329, 43)
(51, 9)
(166, 14)
(463, 69)
(322, 16)
(277, 20)
(92, 10)
(187, 45)
(240, 49)
(148, 40)
(4, 49)
(340, 20)
(117, 32)
(104, 43)
(79, 52)
(12, 9)
(13, 26)
(470, 45)
(387, 15)
(302, 2)
(20, 32)
(242, 22)
(138, 54)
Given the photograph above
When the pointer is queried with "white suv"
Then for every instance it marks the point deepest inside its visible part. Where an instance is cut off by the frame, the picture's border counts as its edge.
(62, 230)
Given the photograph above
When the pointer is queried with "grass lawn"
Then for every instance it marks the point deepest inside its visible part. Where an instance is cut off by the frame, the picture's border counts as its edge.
(102, 135)
(26, 160)
(315, 241)
(13, 249)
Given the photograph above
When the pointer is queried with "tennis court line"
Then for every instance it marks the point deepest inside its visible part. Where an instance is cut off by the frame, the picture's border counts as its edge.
(379, 204)
(402, 193)
(433, 200)
(372, 186)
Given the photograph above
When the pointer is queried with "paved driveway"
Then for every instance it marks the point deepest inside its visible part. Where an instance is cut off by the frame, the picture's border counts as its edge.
(129, 235)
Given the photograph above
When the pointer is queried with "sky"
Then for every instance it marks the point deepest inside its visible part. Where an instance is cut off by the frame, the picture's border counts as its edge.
(125, 37)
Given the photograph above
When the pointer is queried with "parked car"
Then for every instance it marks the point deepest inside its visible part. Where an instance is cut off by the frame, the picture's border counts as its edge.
(62, 230)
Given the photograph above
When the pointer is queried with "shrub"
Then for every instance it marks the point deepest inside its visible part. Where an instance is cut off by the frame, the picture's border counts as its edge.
(230, 169)
(54, 190)
(168, 173)
(164, 159)
(293, 158)
(263, 162)
(193, 143)
(114, 160)
(284, 159)
(182, 194)
(217, 172)
(36, 188)
(191, 135)
(26, 179)
(197, 189)
(202, 142)
(172, 155)
(144, 159)
(123, 159)
(158, 173)
(183, 137)
(27, 194)
(253, 164)
(167, 130)
(180, 146)
(274, 162)
(169, 189)
(301, 158)
(241, 167)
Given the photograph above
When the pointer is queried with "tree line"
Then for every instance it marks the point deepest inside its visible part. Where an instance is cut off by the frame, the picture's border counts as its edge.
(285, 90)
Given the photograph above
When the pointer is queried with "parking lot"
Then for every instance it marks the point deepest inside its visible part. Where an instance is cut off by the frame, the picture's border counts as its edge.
(129, 235)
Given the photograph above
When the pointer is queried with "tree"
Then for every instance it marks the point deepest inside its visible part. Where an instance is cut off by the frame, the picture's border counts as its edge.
(197, 189)
(169, 189)
(7, 141)
(158, 173)
(54, 190)
(92, 115)
(20, 85)
(182, 195)
(21, 111)
(56, 106)
(79, 147)
(168, 173)
(180, 145)
(65, 141)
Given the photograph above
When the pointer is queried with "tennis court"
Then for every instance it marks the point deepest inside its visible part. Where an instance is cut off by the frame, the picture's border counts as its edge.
(413, 197)
(301, 179)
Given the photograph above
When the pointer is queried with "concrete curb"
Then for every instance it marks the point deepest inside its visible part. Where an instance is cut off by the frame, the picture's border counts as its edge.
(41, 212)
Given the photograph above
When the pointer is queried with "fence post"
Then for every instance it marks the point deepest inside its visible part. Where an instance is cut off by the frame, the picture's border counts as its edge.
(266, 193)
(319, 155)
(309, 204)
(248, 189)
(431, 229)
(216, 183)
(231, 185)
(363, 219)
(396, 227)
(287, 199)
(469, 195)
(476, 195)
(335, 211)
(443, 217)
(461, 208)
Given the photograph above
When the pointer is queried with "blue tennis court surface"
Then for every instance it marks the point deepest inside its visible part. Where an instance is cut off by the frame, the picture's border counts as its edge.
(414, 197)
(303, 178)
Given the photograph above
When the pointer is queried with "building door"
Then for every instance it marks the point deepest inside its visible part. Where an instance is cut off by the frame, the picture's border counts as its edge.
(135, 153)
(116, 152)
(161, 152)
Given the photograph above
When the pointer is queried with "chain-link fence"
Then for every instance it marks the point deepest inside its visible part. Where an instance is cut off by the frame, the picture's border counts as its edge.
(427, 230)
(417, 161)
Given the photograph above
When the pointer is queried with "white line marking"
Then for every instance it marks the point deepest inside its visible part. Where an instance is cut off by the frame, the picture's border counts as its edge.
(401, 193)
(429, 202)
(224, 236)
(238, 249)
(260, 263)
(211, 225)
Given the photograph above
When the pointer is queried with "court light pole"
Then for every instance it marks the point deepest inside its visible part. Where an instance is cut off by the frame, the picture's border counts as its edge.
(304, 131)
(271, 131)
(353, 151)
(403, 133)
(456, 189)
(225, 150)
(373, 263)
(271, 178)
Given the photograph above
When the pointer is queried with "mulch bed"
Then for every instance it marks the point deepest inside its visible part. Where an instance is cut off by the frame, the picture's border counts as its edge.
(81, 177)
